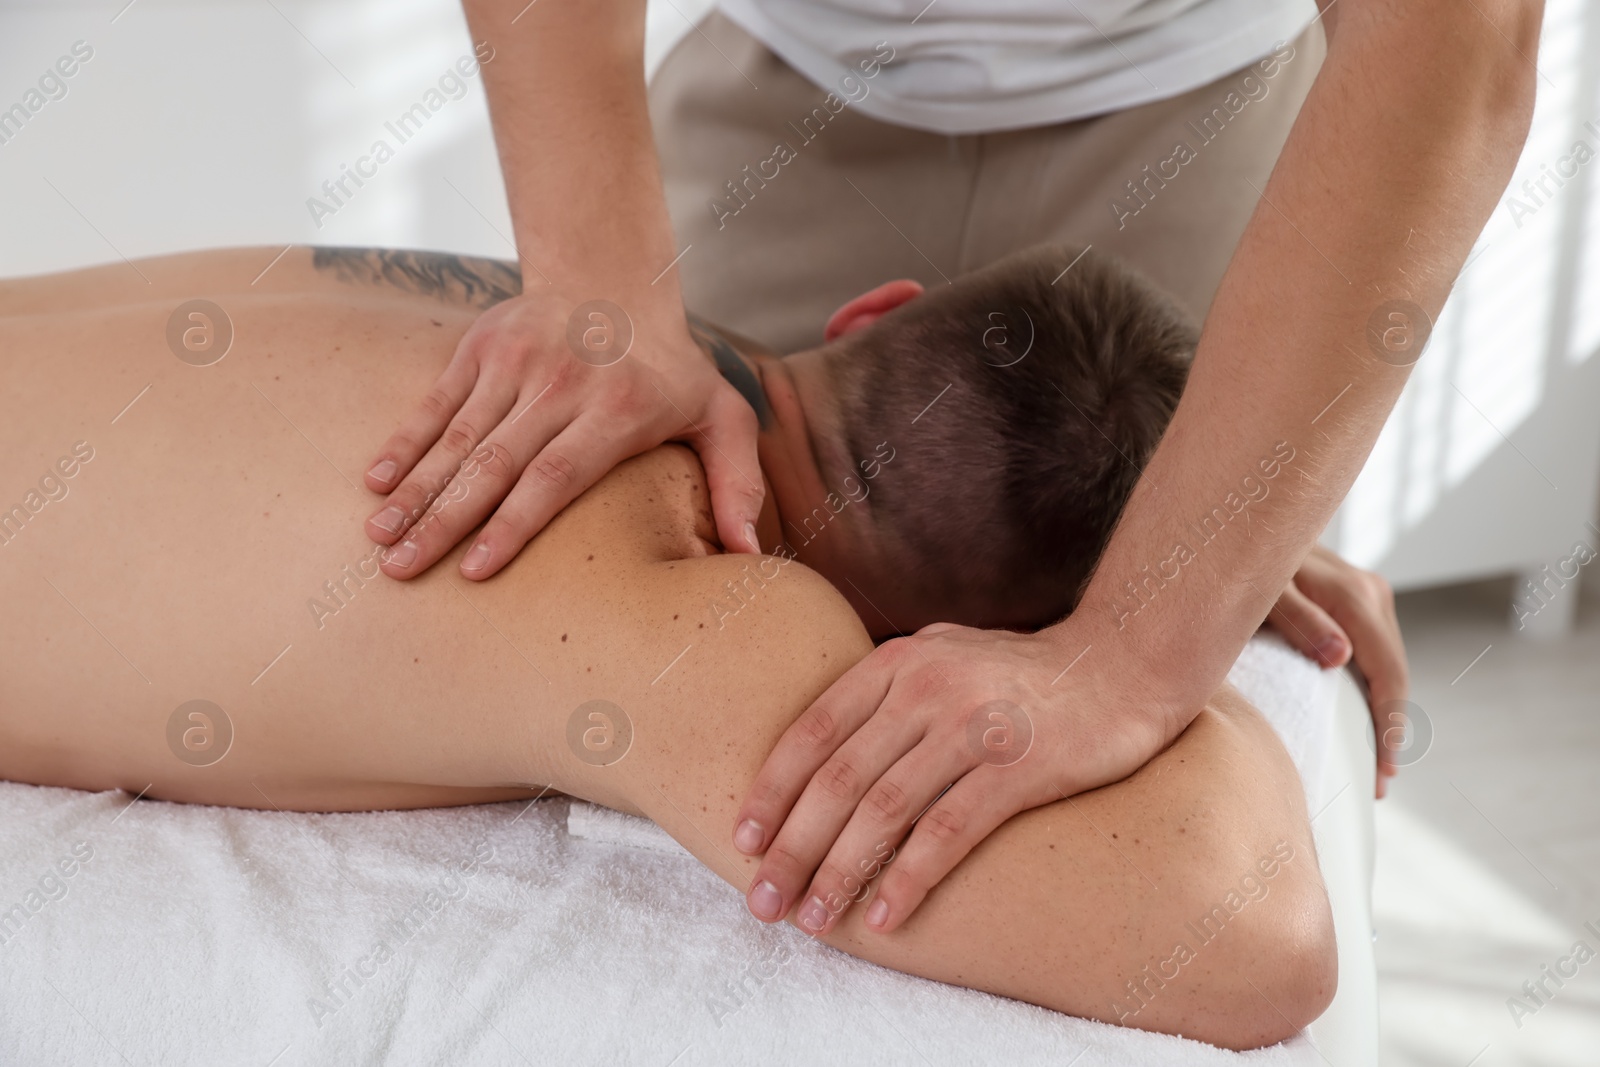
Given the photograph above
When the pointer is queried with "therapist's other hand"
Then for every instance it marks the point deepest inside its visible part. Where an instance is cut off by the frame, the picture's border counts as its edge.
(1333, 612)
(519, 425)
(990, 714)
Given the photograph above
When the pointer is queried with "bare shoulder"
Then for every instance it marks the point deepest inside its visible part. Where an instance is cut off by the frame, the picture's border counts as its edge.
(628, 598)
(1231, 719)
(658, 506)
(654, 507)
(1230, 742)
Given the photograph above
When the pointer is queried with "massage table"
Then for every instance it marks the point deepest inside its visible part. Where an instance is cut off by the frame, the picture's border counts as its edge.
(544, 932)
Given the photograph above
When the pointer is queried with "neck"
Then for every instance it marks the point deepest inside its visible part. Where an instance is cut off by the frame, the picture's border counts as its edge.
(789, 460)
(789, 398)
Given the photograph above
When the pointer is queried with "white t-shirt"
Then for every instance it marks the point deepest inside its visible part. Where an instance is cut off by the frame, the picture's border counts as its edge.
(977, 66)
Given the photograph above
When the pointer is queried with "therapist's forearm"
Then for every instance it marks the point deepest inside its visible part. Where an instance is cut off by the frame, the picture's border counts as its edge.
(567, 100)
(1404, 144)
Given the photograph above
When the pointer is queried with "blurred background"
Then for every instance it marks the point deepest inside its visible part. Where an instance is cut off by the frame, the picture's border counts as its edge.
(210, 124)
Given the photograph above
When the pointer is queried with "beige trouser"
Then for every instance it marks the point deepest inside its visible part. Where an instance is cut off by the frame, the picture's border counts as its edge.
(855, 202)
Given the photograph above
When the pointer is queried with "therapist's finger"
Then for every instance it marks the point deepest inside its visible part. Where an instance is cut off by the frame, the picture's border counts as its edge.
(1380, 651)
(876, 827)
(430, 478)
(417, 434)
(808, 743)
(1381, 655)
(1363, 603)
(1310, 629)
(563, 470)
(470, 487)
(850, 783)
(968, 813)
(727, 448)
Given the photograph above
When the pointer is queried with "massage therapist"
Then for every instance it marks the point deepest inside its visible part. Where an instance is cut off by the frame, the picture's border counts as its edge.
(1309, 181)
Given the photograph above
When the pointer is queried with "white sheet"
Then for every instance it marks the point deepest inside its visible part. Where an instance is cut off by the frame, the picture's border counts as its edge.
(209, 935)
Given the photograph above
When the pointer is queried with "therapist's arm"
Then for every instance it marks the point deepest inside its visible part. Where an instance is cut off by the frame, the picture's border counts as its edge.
(1407, 138)
(551, 389)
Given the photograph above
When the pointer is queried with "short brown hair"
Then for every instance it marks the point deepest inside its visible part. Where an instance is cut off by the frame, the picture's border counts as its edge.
(1022, 402)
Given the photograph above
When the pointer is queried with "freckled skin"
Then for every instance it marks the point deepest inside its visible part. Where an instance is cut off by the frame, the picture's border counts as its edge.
(438, 691)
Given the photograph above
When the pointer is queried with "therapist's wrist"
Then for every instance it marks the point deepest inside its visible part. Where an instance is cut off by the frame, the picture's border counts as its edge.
(647, 310)
(627, 258)
(1157, 687)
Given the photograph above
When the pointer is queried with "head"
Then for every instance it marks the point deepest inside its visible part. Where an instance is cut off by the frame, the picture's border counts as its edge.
(967, 451)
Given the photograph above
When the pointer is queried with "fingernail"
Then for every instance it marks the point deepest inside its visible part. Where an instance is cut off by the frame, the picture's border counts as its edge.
(747, 838)
(1330, 649)
(401, 555)
(813, 916)
(750, 536)
(389, 519)
(877, 913)
(477, 557)
(766, 902)
(383, 471)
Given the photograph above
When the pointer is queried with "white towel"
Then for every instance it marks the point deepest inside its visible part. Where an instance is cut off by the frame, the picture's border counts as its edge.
(466, 936)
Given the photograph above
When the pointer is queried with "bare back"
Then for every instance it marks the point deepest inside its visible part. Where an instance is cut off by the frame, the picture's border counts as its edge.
(208, 546)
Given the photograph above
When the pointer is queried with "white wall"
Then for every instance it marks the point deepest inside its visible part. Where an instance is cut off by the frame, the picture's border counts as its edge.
(210, 123)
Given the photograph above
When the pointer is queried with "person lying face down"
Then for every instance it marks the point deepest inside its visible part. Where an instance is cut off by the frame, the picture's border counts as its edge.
(197, 619)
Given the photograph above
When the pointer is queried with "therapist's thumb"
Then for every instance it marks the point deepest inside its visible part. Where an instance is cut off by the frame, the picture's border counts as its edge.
(1306, 626)
(727, 448)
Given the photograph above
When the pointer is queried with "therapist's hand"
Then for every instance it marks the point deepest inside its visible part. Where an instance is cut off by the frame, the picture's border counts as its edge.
(1334, 612)
(519, 425)
(988, 713)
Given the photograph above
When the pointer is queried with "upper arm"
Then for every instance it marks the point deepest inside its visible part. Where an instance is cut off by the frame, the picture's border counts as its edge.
(1064, 904)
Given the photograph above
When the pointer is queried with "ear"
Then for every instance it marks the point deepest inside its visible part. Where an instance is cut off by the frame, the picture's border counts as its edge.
(870, 306)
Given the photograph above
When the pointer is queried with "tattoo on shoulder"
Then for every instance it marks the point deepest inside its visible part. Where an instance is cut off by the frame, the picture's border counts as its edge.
(455, 279)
